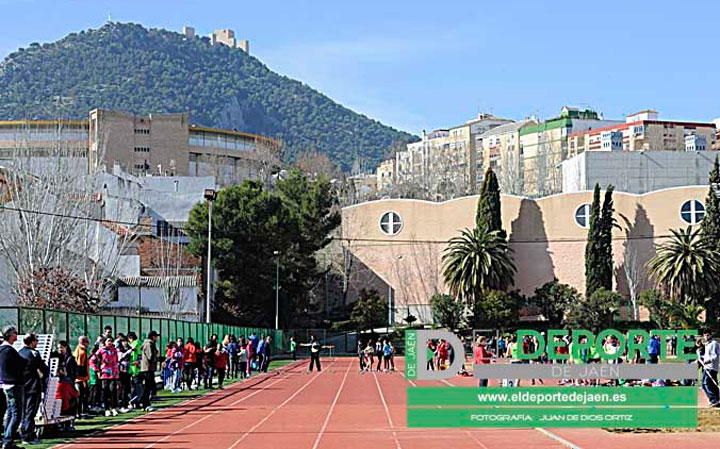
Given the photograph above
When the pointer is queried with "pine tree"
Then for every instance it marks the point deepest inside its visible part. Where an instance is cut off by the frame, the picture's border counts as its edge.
(608, 223)
(488, 215)
(593, 249)
(710, 227)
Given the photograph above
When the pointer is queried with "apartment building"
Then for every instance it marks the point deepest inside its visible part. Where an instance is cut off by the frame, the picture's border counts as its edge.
(499, 149)
(385, 174)
(545, 145)
(643, 131)
(443, 163)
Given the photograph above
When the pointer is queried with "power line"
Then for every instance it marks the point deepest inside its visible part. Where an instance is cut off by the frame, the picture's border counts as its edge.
(376, 241)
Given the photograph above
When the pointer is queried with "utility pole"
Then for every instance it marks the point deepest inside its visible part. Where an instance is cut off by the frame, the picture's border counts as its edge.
(277, 289)
(210, 195)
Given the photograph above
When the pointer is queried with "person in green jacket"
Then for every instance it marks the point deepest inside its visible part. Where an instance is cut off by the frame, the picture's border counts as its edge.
(134, 369)
(293, 348)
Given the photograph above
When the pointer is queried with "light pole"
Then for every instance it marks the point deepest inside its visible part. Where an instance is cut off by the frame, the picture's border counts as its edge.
(277, 289)
(210, 195)
(390, 308)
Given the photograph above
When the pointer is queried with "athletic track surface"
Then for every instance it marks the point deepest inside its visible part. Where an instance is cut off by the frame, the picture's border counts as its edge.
(341, 408)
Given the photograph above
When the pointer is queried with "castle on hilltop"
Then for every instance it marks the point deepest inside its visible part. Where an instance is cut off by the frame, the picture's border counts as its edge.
(221, 37)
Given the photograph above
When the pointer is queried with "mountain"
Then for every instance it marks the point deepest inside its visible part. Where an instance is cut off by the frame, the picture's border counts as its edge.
(128, 67)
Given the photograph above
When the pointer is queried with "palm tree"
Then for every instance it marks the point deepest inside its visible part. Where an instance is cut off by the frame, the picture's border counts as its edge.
(686, 266)
(477, 260)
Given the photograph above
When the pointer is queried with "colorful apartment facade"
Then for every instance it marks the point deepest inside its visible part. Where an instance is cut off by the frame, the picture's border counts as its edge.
(643, 131)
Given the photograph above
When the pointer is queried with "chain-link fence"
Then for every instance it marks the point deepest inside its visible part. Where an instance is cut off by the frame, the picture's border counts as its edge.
(69, 326)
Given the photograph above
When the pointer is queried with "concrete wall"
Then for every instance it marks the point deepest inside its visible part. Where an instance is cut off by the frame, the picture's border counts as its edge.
(636, 172)
(153, 301)
(547, 241)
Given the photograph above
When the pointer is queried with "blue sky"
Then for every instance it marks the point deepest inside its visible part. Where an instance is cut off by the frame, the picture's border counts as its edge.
(423, 65)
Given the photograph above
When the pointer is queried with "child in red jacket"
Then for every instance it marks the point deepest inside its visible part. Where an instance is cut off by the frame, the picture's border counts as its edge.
(221, 362)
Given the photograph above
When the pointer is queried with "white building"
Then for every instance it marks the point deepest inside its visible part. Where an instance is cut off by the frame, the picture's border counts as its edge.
(636, 171)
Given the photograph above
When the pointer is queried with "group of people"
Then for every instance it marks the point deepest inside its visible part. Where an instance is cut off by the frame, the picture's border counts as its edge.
(439, 356)
(190, 365)
(380, 349)
(115, 374)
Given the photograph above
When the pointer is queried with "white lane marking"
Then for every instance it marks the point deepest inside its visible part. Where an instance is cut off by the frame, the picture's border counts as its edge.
(332, 408)
(387, 411)
(470, 434)
(213, 413)
(278, 407)
(138, 419)
(558, 438)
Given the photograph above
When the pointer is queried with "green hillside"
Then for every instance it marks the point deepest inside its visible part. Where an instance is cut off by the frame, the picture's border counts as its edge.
(131, 68)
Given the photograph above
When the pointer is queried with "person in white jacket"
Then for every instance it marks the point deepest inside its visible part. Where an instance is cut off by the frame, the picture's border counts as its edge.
(709, 363)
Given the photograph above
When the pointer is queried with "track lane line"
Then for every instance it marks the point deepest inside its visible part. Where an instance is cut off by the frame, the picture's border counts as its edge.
(170, 435)
(332, 408)
(387, 412)
(278, 407)
(558, 438)
(89, 439)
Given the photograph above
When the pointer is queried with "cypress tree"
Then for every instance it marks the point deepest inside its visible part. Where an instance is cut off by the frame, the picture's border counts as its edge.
(593, 248)
(608, 223)
(710, 226)
(488, 215)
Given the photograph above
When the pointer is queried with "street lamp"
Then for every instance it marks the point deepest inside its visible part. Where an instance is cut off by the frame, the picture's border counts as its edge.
(277, 289)
(210, 196)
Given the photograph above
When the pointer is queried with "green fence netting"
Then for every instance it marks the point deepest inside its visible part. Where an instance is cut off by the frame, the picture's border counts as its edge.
(69, 326)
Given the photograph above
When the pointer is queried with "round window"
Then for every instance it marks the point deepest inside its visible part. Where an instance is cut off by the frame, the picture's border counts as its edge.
(692, 212)
(391, 223)
(582, 215)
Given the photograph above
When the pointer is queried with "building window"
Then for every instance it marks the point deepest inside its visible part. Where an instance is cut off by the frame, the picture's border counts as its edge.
(582, 215)
(142, 149)
(391, 223)
(142, 131)
(692, 212)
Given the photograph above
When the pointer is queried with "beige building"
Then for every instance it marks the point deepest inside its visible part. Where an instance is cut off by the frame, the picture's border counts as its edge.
(402, 241)
(167, 144)
(40, 135)
(443, 164)
(499, 149)
(643, 131)
(385, 175)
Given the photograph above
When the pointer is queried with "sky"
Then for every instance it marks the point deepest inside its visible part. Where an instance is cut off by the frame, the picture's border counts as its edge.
(423, 65)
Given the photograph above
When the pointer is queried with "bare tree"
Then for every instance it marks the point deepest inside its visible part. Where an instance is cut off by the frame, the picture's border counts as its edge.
(315, 163)
(511, 179)
(55, 219)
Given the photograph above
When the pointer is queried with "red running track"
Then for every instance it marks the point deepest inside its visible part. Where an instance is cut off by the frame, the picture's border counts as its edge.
(340, 408)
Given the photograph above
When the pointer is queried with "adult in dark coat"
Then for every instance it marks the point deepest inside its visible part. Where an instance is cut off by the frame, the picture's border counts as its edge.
(35, 374)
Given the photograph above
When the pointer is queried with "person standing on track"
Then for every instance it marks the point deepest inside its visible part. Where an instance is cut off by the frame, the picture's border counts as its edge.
(293, 348)
(482, 357)
(379, 354)
(210, 350)
(221, 363)
(189, 362)
(266, 357)
(35, 374)
(243, 359)
(709, 364)
(233, 350)
(148, 366)
(83, 374)
(109, 373)
(314, 353)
